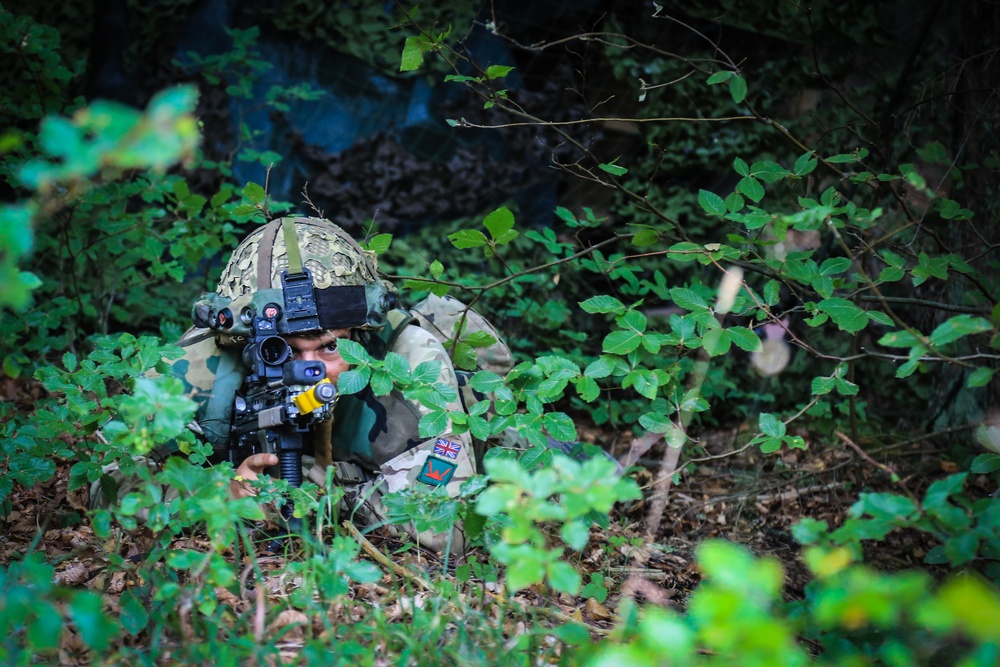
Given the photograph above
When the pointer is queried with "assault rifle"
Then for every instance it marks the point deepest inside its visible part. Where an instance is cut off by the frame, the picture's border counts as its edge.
(280, 398)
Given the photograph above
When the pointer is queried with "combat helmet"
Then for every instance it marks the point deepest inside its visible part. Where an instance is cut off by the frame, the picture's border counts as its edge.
(314, 270)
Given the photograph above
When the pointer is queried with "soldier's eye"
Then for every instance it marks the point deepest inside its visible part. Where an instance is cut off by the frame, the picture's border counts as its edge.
(330, 348)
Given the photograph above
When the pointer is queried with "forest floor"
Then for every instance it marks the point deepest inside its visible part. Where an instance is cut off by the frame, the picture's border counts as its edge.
(749, 498)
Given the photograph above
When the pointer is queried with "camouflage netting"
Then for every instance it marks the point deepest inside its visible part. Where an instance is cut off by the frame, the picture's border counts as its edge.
(375, 145)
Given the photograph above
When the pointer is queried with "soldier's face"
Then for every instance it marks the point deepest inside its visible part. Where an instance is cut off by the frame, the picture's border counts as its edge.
(321, 348)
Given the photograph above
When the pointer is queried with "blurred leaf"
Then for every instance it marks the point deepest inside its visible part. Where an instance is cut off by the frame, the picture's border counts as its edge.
(985, 464)
(413, 55)
(738, 88)
(771, 426)
(498, 71)
(380, 243)
(87, 612)
(613, 169)
(468, 238)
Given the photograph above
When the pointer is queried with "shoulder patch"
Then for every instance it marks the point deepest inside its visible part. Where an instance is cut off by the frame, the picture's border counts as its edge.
(436, 472)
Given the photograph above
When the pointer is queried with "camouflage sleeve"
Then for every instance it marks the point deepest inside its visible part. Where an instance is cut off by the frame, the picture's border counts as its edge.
(211, 376)
(442, 459)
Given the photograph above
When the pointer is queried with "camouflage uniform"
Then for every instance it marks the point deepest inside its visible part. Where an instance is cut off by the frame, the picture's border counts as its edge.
(372, 442)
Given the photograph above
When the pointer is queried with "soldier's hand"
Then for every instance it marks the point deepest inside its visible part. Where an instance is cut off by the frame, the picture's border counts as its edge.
(248, 471)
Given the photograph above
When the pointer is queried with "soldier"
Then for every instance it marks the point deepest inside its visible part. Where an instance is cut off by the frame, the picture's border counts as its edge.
(373, 442)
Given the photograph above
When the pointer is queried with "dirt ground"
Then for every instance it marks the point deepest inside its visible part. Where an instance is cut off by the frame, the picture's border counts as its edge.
(749, 498)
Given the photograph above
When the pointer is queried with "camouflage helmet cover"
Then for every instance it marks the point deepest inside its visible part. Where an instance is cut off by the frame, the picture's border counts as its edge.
(330, 254)
(333, 258)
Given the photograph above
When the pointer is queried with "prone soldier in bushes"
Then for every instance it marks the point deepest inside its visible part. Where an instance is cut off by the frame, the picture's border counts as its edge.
(292, 292)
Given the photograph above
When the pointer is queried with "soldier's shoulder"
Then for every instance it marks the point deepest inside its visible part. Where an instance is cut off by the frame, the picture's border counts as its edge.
(418, 345)
(200, 364)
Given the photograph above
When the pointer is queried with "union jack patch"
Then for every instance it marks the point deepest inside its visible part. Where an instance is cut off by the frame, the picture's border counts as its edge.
(447, 449)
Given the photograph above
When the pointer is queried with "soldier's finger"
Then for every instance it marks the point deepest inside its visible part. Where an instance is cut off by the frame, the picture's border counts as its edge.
(258, 462)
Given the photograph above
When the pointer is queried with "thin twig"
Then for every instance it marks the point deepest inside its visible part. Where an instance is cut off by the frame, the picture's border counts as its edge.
(863, 454)
(383, 560)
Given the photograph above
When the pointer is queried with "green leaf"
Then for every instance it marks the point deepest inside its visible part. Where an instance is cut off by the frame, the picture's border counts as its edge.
(621, 342)
(716, 342)
(460, 78)
(602, 304)
(734, 203)
(381, 383)
(498, 71)
(688, 299)
(643, 381)
(486, 381)
(879, 317)
(771, 426)
(499, 222)
(822, 385)
(834, 265)
(738, 88)
(612, 169)
(468, 238)
(595, 589)
(845, 158)
(846, 387)
(244, 210)
(576, 534)
(656, 422)
(938, 492)
(980, 377)
(479, 339)
(805, 164)
(254, 193)
(907, 369)
(134, 617)
(588, 389)
(745, 339)
(353, 352)
(844, 314)
(560, 426)
(601, 367)
(898, 339)
(986, 463)
(427, 372)
(809, 531)
(741, 167)
(772, 292)
(87, 612)
(380, 243)
(434, 423)
(751, 187)
(413, 54)
(712, 203)
(929, 267)
(956, 327)
(934, 152)
(770, 445)
(645, 238)
(564, 578)
(351, 382)
(720, 77)
(885, 506)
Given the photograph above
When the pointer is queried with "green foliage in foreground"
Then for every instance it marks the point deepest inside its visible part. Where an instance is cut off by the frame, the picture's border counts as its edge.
(121, 235)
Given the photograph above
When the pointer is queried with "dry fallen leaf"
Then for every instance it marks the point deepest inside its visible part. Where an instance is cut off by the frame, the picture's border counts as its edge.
(597, 611)
(286, 618)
